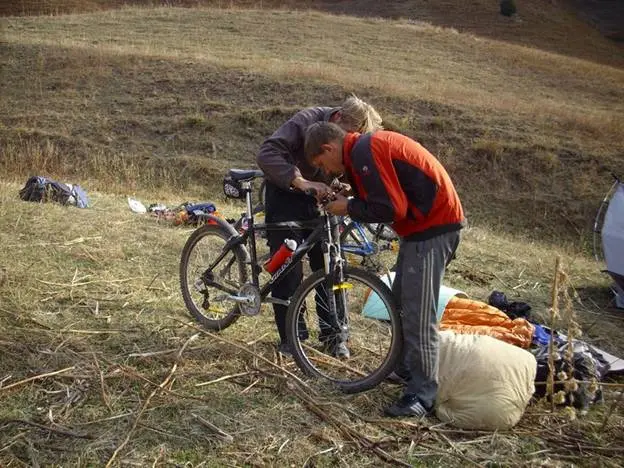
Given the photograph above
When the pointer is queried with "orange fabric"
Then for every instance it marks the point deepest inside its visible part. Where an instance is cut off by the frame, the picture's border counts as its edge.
(388, 147)
(466, 316)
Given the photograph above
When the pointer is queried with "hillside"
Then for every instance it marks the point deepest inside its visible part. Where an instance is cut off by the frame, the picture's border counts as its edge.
(606, 15)
(568, 27)
(93, 295)
(529, 136)
(160, 102)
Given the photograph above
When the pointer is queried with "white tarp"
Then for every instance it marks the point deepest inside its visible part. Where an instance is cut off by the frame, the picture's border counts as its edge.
(613, 241)
(613, 232)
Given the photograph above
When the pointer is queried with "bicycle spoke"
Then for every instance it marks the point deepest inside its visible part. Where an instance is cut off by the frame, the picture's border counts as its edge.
(206, 292)
(372, 343)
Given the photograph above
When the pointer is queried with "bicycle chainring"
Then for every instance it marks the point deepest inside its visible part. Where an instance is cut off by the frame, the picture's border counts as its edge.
(253, 307)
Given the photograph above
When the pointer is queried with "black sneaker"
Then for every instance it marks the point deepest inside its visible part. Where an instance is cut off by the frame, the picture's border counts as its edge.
(341, 351)
(338, 350)
(285, 349)
(396, 378)
(407, 405)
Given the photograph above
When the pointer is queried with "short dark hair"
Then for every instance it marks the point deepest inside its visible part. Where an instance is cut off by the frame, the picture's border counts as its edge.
(319, 134)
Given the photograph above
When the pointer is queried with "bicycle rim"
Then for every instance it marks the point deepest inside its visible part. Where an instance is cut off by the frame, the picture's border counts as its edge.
(372, 323)
(382, 231)
(380, 260)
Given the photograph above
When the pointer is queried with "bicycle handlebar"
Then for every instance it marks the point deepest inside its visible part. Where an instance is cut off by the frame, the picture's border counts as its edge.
(313, 193)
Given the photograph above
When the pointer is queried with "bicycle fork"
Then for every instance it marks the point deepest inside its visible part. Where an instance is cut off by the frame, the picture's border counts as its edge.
(335, 282)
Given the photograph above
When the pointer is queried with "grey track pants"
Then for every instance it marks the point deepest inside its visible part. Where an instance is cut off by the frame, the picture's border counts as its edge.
(416, 287)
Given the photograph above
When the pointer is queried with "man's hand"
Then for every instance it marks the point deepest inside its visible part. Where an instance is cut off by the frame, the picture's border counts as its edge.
(322, 190)
(341, 188)
(338, 207)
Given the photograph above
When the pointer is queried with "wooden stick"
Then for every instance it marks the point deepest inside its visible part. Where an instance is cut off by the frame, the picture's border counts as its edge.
(350, 433)
(64, 432)
(243, 348)
(246, 389)
(458, 452)
(36, 377)
(128, 371)
(221, 379)
(253, 342)
(102, 384)
(326, 359)
(602, 384)
(224, 436)
(110, 418)
(164, 351)
(611, 410)
(551, 345)
(147, 401)
(84, 283)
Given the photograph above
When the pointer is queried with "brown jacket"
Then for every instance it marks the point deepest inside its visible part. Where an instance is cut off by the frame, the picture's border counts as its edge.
(281, 156)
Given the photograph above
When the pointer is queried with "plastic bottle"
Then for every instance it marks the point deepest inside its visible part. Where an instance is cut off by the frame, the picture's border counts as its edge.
(283, 253)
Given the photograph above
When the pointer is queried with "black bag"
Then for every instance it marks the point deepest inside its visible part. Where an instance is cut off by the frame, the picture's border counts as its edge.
(232, 188)
(43, 189)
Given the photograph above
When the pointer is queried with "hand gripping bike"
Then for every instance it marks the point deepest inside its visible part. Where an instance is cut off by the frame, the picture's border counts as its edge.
(220, 277)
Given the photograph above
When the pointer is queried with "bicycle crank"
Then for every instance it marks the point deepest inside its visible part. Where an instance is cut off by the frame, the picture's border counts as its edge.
(248, 299)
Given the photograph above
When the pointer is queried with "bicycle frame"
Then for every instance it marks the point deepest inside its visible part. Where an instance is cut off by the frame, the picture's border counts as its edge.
(366, 249)
(324, 231)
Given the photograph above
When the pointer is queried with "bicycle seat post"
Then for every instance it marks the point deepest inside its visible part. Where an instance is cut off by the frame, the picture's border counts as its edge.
(246, 185)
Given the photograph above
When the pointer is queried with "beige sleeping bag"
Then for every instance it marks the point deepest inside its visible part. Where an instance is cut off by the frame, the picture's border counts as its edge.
(484, 383)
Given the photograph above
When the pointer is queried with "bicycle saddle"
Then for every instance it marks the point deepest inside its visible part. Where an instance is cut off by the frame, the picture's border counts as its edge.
(245, 174)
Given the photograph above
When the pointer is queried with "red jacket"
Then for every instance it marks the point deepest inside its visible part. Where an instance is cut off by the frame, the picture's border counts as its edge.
(397, 180)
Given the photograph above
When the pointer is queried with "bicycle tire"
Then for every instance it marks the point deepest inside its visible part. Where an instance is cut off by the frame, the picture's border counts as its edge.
(238, 258)
(381, 260)
(386, 233)
(359, 354)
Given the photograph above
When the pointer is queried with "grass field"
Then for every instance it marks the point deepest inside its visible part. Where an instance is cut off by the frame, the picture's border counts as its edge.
(159, 102)
(94, 293)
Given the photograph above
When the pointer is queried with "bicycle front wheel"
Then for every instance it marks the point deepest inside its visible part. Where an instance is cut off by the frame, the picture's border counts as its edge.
(365, 314)
(208, 304)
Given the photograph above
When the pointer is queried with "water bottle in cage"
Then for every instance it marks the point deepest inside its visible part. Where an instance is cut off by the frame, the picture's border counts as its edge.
(280, 256)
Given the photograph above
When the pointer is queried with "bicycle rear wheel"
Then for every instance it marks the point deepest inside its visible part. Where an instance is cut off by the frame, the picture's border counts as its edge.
(208, 304)
(372, 321)
(382, 231)
(360, 248)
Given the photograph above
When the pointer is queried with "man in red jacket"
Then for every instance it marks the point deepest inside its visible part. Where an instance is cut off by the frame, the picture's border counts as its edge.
(396, 180)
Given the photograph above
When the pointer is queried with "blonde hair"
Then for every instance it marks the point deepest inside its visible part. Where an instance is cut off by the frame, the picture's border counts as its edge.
(359, 116)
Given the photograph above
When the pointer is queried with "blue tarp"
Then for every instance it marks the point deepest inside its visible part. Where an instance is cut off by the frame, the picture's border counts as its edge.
(374, 308)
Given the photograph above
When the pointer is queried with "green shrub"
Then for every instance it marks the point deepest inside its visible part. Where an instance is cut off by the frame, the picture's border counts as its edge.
(508, 7)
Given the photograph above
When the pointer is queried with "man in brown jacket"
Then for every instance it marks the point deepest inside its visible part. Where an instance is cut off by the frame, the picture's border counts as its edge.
(288, 175)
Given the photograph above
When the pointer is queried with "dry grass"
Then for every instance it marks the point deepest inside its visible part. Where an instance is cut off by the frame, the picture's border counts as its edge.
(159, 103)
(93, 295)
(329, 48)
(551, 26)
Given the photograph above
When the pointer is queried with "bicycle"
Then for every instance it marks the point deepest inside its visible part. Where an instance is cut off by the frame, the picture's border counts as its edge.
(371, 245)
(376, 254)
(220, 282)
